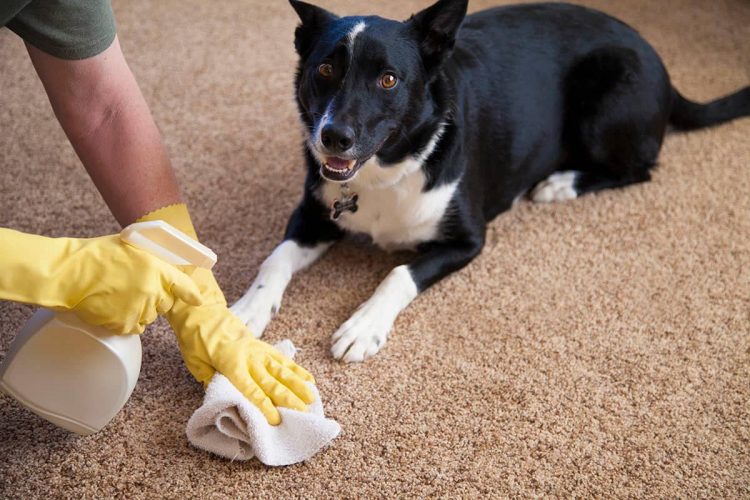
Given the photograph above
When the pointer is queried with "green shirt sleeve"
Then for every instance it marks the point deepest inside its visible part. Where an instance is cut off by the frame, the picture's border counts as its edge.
(68, 29)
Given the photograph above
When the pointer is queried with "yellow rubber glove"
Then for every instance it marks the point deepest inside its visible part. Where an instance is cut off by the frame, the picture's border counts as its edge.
(212, 339)
(104, 281)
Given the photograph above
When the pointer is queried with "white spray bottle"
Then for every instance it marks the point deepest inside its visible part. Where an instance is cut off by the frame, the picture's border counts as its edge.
(79, 376)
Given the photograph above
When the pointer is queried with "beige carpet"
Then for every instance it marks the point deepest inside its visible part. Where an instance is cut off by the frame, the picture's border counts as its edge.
(599, 347)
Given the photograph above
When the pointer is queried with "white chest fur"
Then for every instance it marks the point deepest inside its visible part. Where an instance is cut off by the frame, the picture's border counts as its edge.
(395, 216)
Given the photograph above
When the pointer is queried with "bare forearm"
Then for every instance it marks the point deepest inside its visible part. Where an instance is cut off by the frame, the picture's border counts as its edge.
(103, 113)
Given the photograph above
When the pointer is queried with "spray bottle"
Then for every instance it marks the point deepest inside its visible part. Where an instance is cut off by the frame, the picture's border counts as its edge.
(79, 376)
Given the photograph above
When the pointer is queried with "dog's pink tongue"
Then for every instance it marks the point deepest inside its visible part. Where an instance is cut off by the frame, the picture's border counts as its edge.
(337, 163)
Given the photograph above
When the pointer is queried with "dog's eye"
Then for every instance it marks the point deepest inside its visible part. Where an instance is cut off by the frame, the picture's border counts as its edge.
(388, 81)
(325, 70)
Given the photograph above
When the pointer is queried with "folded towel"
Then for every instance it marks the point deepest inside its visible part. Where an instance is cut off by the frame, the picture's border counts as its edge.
(228, 425)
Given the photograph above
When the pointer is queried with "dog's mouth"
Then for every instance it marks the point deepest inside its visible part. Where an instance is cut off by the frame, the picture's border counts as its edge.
(339, 169)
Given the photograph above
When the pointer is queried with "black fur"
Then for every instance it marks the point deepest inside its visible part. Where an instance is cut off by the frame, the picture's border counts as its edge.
(524, 91)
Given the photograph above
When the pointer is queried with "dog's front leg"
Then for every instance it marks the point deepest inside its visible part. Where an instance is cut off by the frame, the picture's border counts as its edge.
(366, 331)
(308, 235)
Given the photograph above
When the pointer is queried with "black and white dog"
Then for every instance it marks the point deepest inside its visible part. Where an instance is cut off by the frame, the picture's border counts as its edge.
(420, 132)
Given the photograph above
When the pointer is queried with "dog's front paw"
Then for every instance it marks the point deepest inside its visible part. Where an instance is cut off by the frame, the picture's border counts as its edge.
(256, 308)
(362, 335)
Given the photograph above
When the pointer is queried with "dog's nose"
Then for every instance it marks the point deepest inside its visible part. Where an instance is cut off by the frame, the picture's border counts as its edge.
(337, 138)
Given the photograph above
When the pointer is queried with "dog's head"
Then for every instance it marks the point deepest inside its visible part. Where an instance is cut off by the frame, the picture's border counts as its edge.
(363, 81)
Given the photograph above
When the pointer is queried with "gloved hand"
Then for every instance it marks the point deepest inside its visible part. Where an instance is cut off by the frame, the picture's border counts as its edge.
(212, 339)
(104, 281)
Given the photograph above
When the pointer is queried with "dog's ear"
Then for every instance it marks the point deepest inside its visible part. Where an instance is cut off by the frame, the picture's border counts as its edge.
(436, 29)
(312, 18)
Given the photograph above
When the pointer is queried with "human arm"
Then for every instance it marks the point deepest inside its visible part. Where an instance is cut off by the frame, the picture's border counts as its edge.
(102, 111)
(104, 281)
(99, 105)
(212, 339)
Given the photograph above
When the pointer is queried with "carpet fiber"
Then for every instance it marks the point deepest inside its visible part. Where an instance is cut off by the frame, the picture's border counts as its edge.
(596, 347)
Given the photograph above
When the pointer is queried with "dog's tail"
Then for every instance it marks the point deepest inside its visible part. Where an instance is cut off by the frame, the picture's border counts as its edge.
(689, 115)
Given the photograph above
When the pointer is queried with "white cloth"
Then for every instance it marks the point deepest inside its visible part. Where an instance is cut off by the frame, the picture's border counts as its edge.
(228, 425)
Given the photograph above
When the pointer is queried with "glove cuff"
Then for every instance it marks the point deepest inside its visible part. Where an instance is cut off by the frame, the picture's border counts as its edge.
(34, 265)
(177, 215)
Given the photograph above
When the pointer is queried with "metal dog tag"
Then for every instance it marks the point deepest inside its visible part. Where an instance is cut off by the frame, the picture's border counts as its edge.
(347, 203)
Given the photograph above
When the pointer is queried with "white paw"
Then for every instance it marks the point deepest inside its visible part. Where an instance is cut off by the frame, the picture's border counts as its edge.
(363, 334)
(559, 186)
(261, 302)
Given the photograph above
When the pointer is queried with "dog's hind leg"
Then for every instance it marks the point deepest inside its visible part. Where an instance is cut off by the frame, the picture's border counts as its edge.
(617, 107)
(308, 235)
(570, 184)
